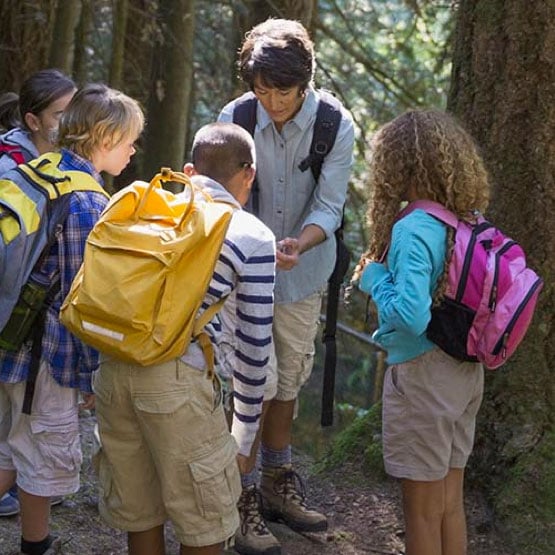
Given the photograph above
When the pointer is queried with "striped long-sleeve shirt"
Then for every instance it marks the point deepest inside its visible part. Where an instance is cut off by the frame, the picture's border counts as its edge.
(246, 267)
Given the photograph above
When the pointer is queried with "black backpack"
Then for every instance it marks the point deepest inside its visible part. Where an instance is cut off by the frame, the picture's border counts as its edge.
(326, 126)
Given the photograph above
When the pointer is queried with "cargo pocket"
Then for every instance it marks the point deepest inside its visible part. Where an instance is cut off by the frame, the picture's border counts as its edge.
(216, 480)
(103, 470)
(57, 442)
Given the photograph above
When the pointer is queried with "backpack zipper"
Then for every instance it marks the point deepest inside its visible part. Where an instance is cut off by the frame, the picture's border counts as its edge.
(477, 229)
(502, 343)
(492, 303)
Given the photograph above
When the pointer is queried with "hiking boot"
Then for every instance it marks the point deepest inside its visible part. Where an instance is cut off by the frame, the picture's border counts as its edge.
(283, 501)
(9, 505)
(253, 536)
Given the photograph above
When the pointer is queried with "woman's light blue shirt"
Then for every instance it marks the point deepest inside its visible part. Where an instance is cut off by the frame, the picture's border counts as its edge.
(290, 199)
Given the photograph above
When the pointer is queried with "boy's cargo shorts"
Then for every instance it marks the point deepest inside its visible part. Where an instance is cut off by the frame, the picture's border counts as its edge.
(166, 452)
(429, 415)
(44, 448)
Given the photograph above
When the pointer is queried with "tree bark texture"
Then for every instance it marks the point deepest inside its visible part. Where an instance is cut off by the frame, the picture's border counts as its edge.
(503, 90)
(118, 43)
(25, 34)
(62, 43)
(82, 36)
(170, 93)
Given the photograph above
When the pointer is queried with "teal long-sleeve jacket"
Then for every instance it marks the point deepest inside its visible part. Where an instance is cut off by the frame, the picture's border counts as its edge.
(402, 289)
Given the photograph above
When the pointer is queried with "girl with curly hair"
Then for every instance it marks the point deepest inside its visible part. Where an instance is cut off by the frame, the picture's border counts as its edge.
(430, 400)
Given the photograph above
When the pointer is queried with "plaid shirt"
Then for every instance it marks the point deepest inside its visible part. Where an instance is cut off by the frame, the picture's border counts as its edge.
(71, 363)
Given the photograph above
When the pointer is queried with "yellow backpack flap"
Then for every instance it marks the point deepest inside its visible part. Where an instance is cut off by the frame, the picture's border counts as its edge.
(147, 265)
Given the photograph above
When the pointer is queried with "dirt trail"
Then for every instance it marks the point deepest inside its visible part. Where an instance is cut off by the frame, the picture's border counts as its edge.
(364, 518)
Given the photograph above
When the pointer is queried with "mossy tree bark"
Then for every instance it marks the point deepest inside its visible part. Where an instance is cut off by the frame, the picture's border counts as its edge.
(503, 90)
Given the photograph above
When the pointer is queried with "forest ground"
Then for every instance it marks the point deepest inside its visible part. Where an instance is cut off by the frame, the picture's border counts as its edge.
(365, 517)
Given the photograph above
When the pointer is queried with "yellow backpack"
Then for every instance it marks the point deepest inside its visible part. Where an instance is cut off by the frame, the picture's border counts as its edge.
(147, 265)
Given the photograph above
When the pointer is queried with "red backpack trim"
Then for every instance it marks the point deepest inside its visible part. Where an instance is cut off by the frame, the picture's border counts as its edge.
(14, 152)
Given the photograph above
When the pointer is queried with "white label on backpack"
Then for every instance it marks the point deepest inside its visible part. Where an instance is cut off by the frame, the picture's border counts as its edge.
(89, 326)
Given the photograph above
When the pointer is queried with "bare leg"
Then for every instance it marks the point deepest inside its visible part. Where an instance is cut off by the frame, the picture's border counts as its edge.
(7, 480)
(148, 542)
(214, 549)
(277, 424)
(423, 507)
(35, 514)
(256, 444)
(453, 528)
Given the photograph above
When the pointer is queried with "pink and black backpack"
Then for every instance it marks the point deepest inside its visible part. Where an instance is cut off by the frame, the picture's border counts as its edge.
(490, 296)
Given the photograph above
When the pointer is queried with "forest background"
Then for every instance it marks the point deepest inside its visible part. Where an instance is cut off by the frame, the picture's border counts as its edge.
(490, 62)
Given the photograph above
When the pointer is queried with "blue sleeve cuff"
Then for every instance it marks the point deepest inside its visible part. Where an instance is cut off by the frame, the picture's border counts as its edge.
(371, 275)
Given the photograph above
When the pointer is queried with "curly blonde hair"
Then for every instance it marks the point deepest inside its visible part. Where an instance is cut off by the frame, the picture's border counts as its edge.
(423, 154)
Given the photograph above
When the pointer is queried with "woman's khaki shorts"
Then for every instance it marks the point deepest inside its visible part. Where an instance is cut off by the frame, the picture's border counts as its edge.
(429, 415)
(294, 330)
(166, 452)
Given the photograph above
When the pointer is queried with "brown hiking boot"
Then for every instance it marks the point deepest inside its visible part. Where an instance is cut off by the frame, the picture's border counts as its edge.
(253, 536)
(282, 501)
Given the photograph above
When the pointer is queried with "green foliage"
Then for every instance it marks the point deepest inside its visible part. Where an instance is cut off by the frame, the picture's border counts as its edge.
(525, 501)
(359, 442)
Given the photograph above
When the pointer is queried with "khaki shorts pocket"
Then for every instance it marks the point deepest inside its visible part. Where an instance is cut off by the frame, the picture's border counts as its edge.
(56, 438)
(395, 377)
(216, 480)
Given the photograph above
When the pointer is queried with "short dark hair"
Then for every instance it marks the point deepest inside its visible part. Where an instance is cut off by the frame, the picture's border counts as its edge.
(220, 150)
(41, 89)
(280, 53)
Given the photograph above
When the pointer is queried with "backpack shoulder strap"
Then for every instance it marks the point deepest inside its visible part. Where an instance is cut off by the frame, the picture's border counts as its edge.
(45, 172)
(326, 126)
(244, 112)
(434, 209)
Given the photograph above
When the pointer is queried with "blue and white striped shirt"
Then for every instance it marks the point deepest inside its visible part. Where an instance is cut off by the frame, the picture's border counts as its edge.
(246, 267)
(71, 362)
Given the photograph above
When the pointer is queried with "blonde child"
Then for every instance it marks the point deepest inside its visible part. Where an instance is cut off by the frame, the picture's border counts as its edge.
(42, 452)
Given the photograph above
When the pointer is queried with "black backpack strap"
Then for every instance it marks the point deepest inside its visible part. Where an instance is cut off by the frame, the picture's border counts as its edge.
(40, 322)
(326, 126)
(244, 114)
(36, 353)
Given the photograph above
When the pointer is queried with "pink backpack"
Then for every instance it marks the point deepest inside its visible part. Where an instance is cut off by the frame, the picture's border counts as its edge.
(491, 294)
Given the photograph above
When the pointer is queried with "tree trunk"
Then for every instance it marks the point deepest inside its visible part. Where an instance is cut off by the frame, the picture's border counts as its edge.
(118, 43)
(503, 89)
(25, 32)
(62, 43)
(257, 11)
(82, 33)
(169, 100)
